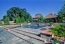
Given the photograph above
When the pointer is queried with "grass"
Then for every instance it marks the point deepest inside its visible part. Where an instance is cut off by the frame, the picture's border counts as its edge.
(14, 24)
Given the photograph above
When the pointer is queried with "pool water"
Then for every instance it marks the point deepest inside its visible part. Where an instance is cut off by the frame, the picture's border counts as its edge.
(7, 38)
(32, 26)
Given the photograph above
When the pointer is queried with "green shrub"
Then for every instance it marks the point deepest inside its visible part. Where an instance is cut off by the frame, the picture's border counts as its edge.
(1, 23)
(56, 40)
(51, 23)
(59, 30)
(22, 20)
(41, 19)
(6, 20)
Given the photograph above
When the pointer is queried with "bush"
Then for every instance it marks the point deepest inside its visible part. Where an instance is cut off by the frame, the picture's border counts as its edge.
(56, 40)
(6, 20)
(22, 20)
(59, 30)
(51, 23)
(41, 19)
(1, 23)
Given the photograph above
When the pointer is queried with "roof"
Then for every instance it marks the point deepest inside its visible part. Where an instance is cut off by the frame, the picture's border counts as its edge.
(37, 15)
(35, 18)
(46, 32)
(51, 15)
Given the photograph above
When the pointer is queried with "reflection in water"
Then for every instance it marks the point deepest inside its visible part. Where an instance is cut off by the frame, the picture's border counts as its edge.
(33, 26)
(7, 38)
(0, 41)
(1, 31)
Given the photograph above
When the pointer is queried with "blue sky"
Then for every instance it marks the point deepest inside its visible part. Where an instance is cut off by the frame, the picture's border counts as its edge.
(32, 6)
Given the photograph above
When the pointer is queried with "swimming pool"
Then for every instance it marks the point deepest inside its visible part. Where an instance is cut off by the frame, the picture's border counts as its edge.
(8, 38)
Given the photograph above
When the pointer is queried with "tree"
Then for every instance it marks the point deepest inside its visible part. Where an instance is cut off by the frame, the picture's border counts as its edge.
(61, 13)
(22, 12)
(6, 20)
(12, 12)
(17, 19)
(17, 14)
(22, 20)
(1, 23)
(30, 19)
(41, 19)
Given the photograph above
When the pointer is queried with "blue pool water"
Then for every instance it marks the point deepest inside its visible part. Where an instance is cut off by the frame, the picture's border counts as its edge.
(4, 36)
(8, 38)
(32, 26)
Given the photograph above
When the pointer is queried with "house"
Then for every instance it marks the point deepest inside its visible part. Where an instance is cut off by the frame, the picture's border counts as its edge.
(37, 16)
(52, 17)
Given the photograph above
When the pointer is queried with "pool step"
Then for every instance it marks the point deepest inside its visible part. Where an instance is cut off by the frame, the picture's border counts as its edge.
(27, 31)
(30, 35)
(34, 37)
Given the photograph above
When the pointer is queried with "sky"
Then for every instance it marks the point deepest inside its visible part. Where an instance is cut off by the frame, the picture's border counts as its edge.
(43, 7)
